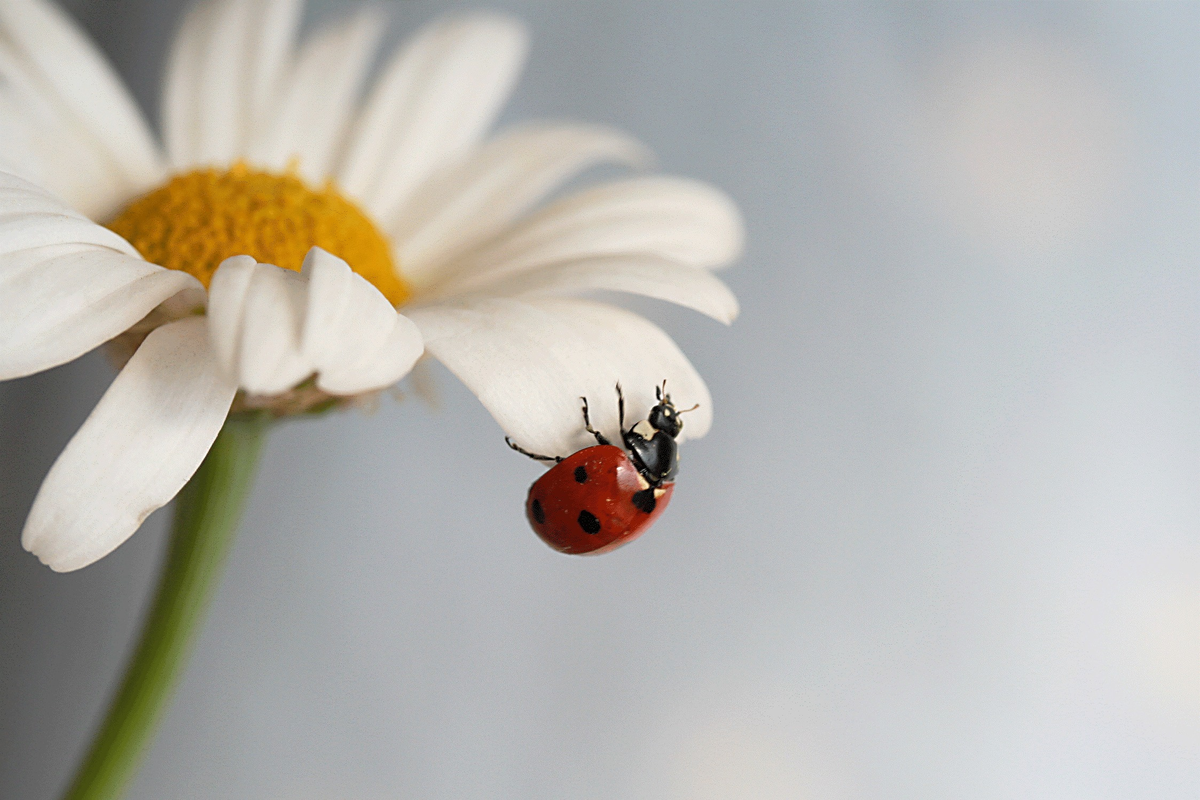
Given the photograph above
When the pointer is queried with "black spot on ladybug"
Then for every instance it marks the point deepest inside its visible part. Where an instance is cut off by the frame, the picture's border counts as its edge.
(538, 515)
(645, 501)
(588, 521)
(580, 474)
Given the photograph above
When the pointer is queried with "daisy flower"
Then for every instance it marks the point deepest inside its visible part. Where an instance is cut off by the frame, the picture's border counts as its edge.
(294, 243)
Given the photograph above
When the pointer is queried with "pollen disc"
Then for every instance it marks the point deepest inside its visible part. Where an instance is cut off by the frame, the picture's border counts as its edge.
(200, 218)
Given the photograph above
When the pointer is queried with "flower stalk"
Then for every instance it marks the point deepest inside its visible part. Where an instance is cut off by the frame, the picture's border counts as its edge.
(207, 512)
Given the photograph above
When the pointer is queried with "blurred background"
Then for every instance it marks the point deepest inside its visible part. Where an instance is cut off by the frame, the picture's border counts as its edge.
(941, 542)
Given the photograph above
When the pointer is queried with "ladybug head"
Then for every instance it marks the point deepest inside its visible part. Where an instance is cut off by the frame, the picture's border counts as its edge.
(664, 416)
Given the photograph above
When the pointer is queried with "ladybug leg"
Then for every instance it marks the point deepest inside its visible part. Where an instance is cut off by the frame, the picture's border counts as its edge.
(587, 423)
(621, 407)
(525, 452)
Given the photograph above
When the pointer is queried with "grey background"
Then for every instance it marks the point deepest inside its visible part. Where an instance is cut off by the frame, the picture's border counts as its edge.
(941, 543)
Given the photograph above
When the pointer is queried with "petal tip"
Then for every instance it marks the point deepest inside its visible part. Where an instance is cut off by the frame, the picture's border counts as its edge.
(732, 310)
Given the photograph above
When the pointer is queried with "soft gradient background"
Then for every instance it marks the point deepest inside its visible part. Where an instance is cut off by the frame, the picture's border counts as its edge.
(941, 543)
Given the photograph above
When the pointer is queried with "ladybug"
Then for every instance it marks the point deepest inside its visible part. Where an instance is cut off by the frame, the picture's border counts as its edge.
(604, 496)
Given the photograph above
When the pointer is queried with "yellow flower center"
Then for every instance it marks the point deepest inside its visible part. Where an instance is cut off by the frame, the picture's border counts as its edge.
(200, 218)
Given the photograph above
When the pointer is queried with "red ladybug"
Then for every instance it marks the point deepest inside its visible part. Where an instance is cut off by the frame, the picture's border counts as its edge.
(602, 497)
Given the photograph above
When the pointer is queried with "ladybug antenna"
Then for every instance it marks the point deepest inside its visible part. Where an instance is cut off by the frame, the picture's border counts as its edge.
(686, 410)
(661, 393)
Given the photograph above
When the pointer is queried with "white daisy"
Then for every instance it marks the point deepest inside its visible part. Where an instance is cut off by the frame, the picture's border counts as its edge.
(397, 201)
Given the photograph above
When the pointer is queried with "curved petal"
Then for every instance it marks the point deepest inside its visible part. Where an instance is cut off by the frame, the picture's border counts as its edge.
(60, 301)
(649, 276)
(679, 219)
(529, 362)
(19, 194)
(473, 199)
(272, 328)
(353, 338)
(226, 309)
(137, 449)
(255, 314)
(32, 217)
(23, 230)
(66, 284)
(308, 120)
(222, 75)
(433, 101)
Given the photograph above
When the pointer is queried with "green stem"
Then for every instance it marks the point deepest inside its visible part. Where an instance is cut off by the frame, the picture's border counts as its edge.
(206, 516)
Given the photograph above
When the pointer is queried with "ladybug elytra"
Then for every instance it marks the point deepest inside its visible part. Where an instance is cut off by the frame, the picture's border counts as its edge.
(604, 496)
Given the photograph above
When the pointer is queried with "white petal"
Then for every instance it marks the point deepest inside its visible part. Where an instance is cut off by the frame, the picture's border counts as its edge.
(178, 117)
(353, 338)
(137, 449)
(473, 199)
(647, 355)
(309, 118)
(59, 301)
(44, 144)
(66, 284)
(273, 328)
(21, 196)
(647, 275)
(529, 362)
(85, 87)
(215, 94)
(32, 217)
(679, 219)
(434, 101)
(223, 77)
(226, 308)
(270, 360)
(255, 314)
(24, 230)
(274, 32)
